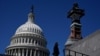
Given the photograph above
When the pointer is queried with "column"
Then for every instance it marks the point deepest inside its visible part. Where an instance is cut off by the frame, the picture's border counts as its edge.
(34, 52)
(11, 52)
(44, 53)
(22, 52)
(31, 52)
(41, 53)
(8, 52)
(19, 52)
(38, 53)
(14, 52)
(26, 52)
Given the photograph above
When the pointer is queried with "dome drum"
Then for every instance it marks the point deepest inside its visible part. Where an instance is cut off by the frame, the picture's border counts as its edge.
(23, 50)
(28, 41)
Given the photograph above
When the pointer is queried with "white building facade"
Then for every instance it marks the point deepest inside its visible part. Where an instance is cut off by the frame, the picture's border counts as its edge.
(28, 40)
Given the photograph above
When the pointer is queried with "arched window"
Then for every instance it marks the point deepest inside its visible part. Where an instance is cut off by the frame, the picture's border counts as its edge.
(32, 41)
(17, 40)
(29, 40)
(36, 42)
(26, 40)
(22, 40)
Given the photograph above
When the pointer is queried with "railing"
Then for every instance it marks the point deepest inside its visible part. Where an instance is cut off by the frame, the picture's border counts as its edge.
(73, 53)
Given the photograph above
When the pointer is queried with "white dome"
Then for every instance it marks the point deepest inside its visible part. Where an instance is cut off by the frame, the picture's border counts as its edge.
(29, 26)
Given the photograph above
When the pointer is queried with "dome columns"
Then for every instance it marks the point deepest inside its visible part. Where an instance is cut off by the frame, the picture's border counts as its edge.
(26, 52)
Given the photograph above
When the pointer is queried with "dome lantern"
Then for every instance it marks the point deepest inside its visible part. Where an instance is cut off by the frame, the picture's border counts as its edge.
(31, 16)
(29, 26)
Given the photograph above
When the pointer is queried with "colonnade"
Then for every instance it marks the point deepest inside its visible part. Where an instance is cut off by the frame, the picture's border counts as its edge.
(26, 52)
(32, 41)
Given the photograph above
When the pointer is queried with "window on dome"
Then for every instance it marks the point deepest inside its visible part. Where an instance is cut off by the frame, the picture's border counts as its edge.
(28, 29)
(25, 29)
(22, 40)
(36, 42)
(31, 29)
(29, 40)
(12, 42)
(40, 43)
(17, 40)
(19, 30)
(35, 30)
(26, 40)
(33, 41)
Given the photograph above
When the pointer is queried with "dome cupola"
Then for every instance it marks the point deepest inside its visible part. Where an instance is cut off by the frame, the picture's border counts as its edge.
(29, 26)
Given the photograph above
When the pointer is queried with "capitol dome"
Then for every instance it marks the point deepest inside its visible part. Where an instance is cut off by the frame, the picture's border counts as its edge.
(29, 26)
(28, 40)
